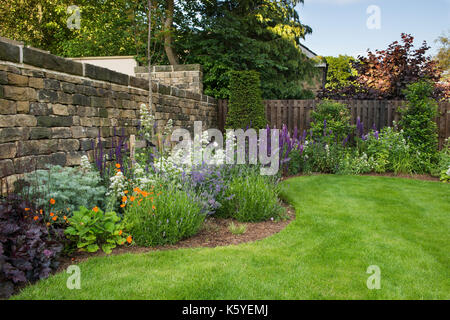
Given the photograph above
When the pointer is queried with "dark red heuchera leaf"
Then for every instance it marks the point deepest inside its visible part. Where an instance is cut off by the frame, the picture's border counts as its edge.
(27, 251)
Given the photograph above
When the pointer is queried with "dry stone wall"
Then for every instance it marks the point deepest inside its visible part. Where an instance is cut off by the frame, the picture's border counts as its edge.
(52, 109)
(186, 76)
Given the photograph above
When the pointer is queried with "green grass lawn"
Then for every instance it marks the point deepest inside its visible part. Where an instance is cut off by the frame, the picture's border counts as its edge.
(344, 224)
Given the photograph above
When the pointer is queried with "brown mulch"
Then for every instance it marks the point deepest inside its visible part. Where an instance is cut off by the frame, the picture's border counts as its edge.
(214, 233)
(425, 177)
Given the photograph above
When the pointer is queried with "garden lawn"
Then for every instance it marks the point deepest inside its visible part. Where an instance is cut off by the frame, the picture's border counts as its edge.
(344, 225)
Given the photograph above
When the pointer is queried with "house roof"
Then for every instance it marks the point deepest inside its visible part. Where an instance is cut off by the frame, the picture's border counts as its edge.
(311, 55)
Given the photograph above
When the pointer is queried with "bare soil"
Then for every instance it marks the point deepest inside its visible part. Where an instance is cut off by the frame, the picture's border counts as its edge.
(214, 233)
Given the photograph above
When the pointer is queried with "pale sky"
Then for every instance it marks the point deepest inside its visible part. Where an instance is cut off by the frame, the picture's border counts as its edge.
(340, 26)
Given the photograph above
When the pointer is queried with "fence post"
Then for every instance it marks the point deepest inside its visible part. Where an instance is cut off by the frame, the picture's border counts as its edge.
(132, 149)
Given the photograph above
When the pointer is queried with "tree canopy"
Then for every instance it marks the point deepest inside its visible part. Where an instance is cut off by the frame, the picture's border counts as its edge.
(340, 72)
(443, 55)
(385, 74)
(222, 35)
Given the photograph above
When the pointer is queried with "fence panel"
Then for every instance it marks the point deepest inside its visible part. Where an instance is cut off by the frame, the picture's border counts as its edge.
(297, 114)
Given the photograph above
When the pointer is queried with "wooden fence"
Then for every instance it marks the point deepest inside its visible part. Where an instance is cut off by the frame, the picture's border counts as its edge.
(297, 113)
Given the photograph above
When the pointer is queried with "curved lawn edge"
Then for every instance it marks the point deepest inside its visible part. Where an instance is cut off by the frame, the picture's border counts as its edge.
(344, 224)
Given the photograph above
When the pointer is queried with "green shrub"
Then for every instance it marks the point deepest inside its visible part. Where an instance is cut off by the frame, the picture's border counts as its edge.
(444, 162)
(418, 122)
(162, 218)
(69, 187)
(245, 108)
(390, 150)
(93, 229)
(331, 116)
(251, 198)
(322, 156)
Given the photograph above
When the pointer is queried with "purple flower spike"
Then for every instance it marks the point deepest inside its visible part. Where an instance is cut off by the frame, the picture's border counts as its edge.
(360, 127)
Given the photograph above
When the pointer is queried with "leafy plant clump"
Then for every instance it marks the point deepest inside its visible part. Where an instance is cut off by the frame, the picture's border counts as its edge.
(27, 253)
(418, 122)
(444, 162)
(93, 229)
(69, 187)
(331, 119)
(237, 229)
(162, 217)
(246, 108)
(251, 198)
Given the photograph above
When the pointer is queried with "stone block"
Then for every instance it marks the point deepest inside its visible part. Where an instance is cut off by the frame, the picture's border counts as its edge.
(7, 107)
(37, 83)
(6, 168)
(54, 121)
(9, 52)
(17, 80)
(25, 120)
(39, 109)
(40, 133)
(68, 145)
(61, 132)
(49, 61)
(7, 150)
(20, 93)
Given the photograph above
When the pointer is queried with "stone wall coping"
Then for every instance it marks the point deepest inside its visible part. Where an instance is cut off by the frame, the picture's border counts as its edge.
(38, 58)
(170, 68)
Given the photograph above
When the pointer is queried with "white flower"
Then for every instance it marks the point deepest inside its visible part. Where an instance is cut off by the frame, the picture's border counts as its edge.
(85, 165)
(117, 185)
(147, 121)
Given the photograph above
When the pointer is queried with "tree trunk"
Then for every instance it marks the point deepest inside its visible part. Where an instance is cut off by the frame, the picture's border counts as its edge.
(168, 40)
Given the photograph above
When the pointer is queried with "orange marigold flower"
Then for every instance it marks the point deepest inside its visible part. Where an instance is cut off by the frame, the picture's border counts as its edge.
(153, 207)
(51, 214)
(126, 191)
(118, 165)
(54, 218)
(129, 239)
(132, 198)
(120, 232)
(95, 209)
(122, 205)
(65, 218)
(52, 201)
(41, 212)
(27, 209)
(35, 218)
(124, 198)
